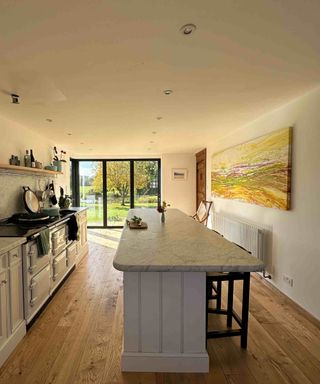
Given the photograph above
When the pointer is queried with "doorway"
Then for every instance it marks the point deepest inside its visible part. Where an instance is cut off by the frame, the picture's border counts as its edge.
(201, 160)
(110, 187)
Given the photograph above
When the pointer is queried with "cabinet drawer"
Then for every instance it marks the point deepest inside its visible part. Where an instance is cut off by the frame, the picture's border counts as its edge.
(15, 255)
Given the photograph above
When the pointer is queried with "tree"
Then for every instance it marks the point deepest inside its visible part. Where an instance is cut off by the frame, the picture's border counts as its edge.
(118, 178)
(97, 179)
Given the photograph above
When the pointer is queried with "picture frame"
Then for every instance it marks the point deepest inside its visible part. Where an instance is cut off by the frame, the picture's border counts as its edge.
(179, 174)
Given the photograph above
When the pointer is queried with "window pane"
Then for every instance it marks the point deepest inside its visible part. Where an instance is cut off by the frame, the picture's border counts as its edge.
(146, 183)
(91, 190)
(118, 192)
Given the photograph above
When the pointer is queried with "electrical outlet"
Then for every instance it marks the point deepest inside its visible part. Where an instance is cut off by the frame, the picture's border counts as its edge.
(288, 280)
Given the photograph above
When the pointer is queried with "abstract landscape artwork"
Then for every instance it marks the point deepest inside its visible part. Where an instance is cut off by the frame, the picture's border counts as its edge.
(257, 172)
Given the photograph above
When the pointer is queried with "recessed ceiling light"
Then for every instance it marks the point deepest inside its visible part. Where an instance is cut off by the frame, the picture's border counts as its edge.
(160, 117)
(154, 132)
(81, 143)
(49, 120)
(151, 142)
(167, 91)
(69, 134)
(188, 29)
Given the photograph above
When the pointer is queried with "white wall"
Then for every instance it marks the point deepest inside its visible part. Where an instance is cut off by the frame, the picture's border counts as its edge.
(179, 194)
(296, 233)
(15, 139)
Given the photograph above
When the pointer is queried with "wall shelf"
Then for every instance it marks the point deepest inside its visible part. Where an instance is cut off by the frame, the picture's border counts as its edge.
(19, 169)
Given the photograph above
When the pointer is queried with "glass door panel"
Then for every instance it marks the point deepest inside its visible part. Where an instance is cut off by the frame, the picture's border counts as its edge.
(118, 191)
(91, 190)
(146, 183)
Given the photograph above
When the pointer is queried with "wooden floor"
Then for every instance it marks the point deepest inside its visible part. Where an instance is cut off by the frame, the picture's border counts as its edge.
(78, 337)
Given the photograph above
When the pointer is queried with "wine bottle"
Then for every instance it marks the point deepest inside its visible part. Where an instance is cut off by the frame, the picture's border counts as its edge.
(27, 159)
(33, 162)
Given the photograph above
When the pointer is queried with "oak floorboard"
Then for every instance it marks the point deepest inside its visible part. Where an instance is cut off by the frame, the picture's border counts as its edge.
(78, 337)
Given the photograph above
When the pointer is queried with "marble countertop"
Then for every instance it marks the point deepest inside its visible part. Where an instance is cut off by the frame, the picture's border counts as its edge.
(8, 243)
(179, 244)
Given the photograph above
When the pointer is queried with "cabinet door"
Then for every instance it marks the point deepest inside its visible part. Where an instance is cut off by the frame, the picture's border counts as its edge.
(16, 295)
(3, 307)
(83, 231)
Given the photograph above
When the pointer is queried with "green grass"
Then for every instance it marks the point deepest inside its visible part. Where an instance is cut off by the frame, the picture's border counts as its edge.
(116, 212)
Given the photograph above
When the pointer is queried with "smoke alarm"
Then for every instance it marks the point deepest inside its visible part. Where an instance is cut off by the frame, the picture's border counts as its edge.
(15, 98)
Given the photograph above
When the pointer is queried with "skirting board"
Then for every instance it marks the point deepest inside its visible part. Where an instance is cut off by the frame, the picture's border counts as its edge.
(12, 342)
(163, 362)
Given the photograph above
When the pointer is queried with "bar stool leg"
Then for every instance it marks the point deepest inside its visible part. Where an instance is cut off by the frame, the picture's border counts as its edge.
(245, 309)
(230, 303)
(219, 291)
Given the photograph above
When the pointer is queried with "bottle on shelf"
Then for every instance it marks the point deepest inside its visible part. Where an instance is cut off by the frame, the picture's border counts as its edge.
(33, 162)
(27, 159)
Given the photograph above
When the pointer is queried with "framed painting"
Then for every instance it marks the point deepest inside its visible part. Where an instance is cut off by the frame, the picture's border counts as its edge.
(179, 174)
(256, 172)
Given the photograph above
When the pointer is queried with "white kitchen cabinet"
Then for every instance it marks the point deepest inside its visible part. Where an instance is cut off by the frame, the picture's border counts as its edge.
(12, 323)
(83, 241)
(16, 294)
(3, 307)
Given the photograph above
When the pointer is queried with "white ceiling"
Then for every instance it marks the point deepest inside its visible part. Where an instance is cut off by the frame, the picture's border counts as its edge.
(98, 68)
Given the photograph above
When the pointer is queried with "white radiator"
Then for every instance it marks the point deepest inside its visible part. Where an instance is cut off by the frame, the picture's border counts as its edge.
(248, 236)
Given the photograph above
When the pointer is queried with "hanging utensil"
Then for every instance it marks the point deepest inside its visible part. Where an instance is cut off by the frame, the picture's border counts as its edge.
(53, 198)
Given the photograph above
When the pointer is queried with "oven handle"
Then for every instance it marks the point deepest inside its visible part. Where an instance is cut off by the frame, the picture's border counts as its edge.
(32, 301)
(33, 237)
(60, 223)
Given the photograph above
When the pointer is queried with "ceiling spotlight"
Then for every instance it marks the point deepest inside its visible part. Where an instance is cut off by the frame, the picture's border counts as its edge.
(154, 132)
(49, 120)
(151, 142)
(15, 98)
(167, 92)
(188, 29)
(81, 143)
(69, 134)
(160, 117)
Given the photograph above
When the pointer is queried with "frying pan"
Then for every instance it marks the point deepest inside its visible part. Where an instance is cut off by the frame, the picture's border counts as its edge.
(30, 200)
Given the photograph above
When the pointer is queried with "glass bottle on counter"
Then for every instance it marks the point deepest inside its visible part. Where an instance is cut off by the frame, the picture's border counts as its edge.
(33, 162)
(27, 159)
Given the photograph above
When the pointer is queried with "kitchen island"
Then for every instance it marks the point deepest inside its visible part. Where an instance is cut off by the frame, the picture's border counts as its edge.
(165, 269)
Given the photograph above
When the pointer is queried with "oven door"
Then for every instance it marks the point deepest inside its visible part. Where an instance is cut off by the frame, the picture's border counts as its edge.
(59, 265)
(71, 255)
(39, 291)
(33, 262)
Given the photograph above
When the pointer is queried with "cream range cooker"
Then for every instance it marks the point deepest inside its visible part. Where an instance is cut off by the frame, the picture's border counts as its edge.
(43, 274)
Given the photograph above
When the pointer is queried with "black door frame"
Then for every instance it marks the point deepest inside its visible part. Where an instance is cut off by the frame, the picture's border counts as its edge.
(76, 184)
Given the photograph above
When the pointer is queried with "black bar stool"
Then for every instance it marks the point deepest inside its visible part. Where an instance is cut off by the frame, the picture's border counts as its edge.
(214, 292)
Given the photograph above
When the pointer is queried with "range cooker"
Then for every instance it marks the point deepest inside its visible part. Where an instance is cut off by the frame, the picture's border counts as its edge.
(42, 274)
(9, 228)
